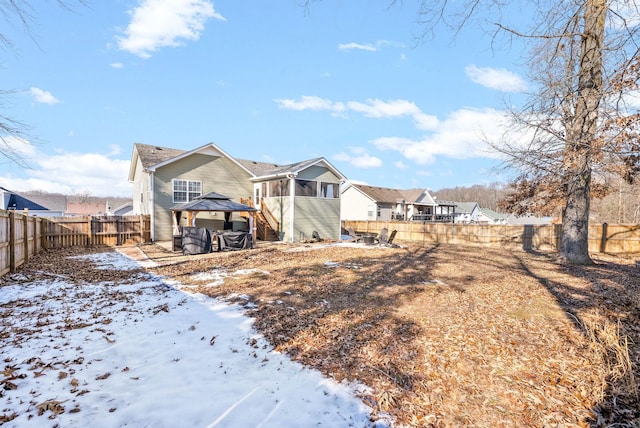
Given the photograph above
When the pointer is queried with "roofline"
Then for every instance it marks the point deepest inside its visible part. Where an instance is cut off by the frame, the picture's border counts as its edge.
(194, 151)
(294, 172)
(133, 163)
(354, 185)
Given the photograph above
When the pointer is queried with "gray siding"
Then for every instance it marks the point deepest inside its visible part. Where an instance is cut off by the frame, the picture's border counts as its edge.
(317, 214)
(141, 190)
(217, 174)
(280, 208)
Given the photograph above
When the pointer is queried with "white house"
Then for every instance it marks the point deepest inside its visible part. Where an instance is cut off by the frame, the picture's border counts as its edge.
(363, 202)
(488, 216)
(466, 212)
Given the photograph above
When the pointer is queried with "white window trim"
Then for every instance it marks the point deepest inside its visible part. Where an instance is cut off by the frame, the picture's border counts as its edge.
(189, 199)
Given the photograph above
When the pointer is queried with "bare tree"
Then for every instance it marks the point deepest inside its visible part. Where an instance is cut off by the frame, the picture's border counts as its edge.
(583, 58)
(12, 131)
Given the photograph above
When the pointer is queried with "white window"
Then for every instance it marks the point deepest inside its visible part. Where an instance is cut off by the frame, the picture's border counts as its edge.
(329, 190)
(306, 188)
(186, 190)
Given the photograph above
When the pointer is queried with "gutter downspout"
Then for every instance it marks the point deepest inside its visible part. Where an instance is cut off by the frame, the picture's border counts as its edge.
(152, 201)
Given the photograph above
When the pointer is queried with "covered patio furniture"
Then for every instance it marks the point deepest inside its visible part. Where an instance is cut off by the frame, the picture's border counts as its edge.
(211, 202)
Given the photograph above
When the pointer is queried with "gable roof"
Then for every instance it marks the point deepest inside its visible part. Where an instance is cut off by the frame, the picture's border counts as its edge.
(51, 201)
(465, 207)
(14, 201)
(293, 169)
(492, 214)
(153, 157)
(387, 195)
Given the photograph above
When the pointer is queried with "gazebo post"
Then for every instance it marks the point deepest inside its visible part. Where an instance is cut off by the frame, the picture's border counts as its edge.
(251, 228)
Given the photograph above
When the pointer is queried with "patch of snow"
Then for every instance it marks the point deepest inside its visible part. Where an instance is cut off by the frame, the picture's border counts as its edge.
(154, 354)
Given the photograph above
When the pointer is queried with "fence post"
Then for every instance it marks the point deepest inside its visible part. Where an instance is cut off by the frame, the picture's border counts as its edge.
(12, 241)
(90, 231)
(603, 238)
(25, 236)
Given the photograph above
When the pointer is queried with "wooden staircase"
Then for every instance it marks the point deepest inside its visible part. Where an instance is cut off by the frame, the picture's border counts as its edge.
(267, 227)
(264, 231)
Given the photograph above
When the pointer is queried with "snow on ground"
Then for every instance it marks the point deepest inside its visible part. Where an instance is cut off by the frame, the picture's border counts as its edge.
(145, 353)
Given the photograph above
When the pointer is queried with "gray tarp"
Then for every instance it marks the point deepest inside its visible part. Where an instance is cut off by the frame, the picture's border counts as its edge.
(195, 240)
(234, 241)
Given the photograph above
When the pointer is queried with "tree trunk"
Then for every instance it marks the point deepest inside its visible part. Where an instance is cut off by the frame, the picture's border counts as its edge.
(581, 137)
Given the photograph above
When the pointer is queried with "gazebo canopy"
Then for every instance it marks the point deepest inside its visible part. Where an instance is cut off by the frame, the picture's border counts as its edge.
(213, 202)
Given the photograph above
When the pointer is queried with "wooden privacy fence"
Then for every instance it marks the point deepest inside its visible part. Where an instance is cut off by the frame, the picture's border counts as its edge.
(22, 236)
(603, 238)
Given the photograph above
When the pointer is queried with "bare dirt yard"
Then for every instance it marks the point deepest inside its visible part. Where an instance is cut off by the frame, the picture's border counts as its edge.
(444, 335)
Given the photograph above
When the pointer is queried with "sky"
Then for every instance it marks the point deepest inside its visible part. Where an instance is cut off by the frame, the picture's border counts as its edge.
(267, 81)
(148, 352)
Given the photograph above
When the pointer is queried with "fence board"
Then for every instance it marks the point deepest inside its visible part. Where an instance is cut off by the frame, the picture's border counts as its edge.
(22, 236)
(612, 238)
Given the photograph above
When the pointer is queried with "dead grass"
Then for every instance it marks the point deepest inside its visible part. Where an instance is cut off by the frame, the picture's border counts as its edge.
(444, 335)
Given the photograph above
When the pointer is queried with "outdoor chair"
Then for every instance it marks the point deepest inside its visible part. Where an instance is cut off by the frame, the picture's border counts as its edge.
(383, 237)
(392, 237)
(353, 235)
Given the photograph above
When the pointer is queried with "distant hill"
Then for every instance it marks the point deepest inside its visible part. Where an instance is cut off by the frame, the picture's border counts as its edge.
(76, 204)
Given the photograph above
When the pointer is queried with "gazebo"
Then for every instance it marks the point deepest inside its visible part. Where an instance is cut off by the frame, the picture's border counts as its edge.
(211, 202)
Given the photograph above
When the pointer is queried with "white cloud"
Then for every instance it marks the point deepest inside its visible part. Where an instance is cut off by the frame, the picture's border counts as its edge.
(632, 100)
(116, 65)
(307, 103)
(359, 158)
(15, 147)
(165, 23)
(626, 16)
(372, 108)
(358, 46)
(400, 165)
(368, 46)
(43, 97)
(494, 78)
(461, 135)
(99, 174)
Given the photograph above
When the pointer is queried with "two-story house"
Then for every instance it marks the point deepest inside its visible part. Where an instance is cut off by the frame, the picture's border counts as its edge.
(294, 200)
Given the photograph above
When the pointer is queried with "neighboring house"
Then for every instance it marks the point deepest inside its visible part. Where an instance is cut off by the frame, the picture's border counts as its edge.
(295, 200)
(16, 202)
(488, 216)
(53, 201)
(466, 212)
(363, 202)
(124, 209)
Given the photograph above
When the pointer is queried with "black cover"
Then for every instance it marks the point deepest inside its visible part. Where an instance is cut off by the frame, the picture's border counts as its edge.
(195, 240)
(234, 241)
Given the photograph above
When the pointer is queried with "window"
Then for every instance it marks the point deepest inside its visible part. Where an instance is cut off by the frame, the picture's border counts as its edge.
(279, 188)
(186, 191)
(306, 188)
(329, 190)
